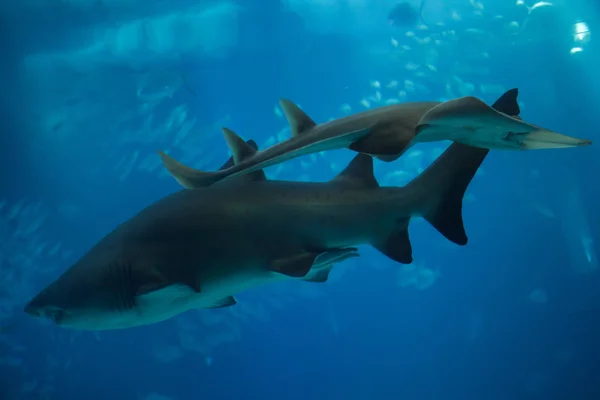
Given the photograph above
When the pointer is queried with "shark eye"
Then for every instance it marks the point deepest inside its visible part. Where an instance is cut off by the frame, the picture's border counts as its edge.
(55, 314)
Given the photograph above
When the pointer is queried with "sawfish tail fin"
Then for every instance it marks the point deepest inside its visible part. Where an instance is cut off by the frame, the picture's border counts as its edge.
(439, 190)
(188, 177)
(191, 178)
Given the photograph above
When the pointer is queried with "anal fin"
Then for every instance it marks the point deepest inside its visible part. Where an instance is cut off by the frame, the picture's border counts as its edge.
(396, 246)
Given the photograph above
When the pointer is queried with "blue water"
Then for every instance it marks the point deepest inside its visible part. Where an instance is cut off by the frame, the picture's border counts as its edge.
(91, 90)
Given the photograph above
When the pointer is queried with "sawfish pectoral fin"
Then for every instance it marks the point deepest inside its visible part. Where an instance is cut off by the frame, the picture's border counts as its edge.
(385, 141)
(225, 302)
(396, 246)
(300, 264)
(341, 141)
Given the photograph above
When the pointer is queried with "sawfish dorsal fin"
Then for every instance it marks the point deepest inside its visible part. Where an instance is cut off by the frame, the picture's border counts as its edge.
(230, 162)
(359, 173)
(240, 149)
(298, 120)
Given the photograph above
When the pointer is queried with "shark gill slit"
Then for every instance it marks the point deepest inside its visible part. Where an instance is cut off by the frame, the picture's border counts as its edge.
(116, 285)
(129, 287)
(121, 277)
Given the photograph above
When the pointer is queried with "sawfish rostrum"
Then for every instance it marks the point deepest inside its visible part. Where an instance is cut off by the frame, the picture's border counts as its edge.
(198, 248)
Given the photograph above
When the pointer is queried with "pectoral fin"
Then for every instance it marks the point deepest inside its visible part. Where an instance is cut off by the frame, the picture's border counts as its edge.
(320, 275)
(396, 246)
(321, 270)
(225, 302)
(335, 256)
(150, 287)
(295, 266)
(300, 264)
(386, 141)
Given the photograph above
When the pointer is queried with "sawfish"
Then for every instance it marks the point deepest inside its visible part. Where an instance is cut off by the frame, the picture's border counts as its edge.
(387, 132)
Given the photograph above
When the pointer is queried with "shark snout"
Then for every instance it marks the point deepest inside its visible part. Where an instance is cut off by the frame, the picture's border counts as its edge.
(54, 314)
(32, 310)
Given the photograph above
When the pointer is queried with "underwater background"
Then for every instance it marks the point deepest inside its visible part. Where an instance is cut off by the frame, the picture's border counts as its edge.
(92, 89)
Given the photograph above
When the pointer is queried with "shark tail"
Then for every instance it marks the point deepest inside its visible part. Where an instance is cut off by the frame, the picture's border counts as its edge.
(439, 190)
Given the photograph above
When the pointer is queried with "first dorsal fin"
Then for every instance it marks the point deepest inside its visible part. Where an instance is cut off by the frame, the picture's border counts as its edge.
(298, 120)
(239, 148)
(358, 173)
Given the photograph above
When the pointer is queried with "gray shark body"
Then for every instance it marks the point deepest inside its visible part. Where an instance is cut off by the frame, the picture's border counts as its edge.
(387, 132)
(198, 248)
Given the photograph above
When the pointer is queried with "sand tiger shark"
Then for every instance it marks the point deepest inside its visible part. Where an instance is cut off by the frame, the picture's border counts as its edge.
(198, 248)
(387, 132)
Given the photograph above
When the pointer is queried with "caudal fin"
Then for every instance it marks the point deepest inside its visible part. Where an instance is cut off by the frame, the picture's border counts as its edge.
(440, 189)
(444, 183)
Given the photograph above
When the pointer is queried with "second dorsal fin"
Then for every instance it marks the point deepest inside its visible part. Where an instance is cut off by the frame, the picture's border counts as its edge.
(298, 120)
(358, 173)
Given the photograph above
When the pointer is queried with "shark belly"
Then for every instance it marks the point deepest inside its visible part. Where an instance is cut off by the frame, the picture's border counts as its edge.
(176, 299)
(168, 302)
